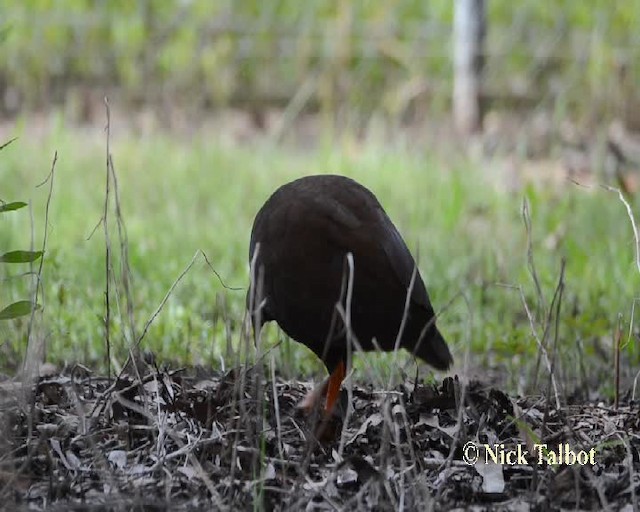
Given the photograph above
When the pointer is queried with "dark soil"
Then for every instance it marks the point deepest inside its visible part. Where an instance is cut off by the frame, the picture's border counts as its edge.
(169, 441)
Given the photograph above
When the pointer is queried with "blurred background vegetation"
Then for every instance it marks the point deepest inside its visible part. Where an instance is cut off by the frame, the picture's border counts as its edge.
(369, 57)
(217, 103)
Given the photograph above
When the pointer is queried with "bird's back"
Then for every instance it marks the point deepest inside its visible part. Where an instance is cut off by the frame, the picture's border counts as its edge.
(304, 232)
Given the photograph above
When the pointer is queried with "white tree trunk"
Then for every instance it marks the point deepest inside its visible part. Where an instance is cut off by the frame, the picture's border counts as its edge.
(469, 31)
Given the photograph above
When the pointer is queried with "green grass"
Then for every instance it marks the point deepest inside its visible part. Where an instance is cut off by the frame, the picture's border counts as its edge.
(183, 194)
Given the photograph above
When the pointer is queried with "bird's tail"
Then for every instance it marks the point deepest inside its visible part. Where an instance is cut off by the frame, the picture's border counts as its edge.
(433, 349)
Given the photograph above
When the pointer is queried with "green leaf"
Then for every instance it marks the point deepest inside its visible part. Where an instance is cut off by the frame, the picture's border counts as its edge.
(7, 207)
(17, 309)
(20, 256)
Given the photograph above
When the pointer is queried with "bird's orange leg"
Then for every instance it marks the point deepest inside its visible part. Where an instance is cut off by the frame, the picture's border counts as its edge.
(333, 388)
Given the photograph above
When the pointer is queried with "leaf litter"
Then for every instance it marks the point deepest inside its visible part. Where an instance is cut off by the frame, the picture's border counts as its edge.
(183, 440)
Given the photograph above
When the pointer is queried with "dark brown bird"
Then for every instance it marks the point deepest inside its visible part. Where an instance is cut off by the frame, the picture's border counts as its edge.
(300, 241)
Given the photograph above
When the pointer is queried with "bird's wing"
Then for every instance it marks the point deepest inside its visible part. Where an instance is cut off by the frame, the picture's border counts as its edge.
(402, 262)
(371, 234)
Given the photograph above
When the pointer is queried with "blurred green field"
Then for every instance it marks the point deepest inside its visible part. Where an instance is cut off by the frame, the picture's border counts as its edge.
(572, 57)
(180, 195)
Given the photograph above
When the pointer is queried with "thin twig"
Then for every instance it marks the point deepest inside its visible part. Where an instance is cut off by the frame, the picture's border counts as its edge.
(30, 355)
(166, 298)
(217, 274)
(349, 337)
(403, 322)
(44, 243)
(631, 218)
(7, 143)
(124, 255)
(276, 406)
(526, 217)
(107, 243)
(460, 397)
(617, 341)
(557, 302)
(636, 238)
(632, 472)
(629, 337)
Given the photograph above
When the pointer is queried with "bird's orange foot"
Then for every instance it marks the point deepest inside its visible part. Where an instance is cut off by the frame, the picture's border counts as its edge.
(312, 400)
(326, 425)
(330, 421)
